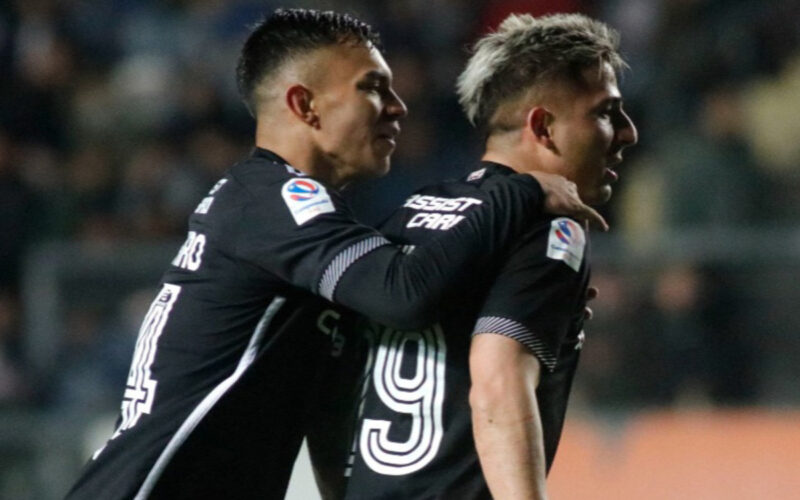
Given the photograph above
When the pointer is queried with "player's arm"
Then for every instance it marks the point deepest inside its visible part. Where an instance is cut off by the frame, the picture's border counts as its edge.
(331, 255)
(505, 417)
(404, 290)
(537, 300)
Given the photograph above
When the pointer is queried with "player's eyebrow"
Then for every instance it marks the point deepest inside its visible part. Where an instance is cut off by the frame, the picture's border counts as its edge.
(610, 102)
(376, 75)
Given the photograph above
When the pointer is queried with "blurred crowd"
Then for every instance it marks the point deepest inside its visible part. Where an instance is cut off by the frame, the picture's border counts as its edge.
(116, 116)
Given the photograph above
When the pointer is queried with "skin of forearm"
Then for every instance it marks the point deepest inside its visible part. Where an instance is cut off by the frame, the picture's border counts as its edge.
(505, 418)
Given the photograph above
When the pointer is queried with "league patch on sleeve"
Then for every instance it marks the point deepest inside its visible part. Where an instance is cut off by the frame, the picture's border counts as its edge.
(566, 242)
(306, 198)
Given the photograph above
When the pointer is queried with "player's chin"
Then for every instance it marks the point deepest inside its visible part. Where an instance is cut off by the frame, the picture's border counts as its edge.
(384, 146)
(378, 166)
(600, 196)
(383, 157)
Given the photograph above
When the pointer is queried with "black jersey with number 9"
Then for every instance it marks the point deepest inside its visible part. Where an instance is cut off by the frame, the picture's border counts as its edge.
(408, 432)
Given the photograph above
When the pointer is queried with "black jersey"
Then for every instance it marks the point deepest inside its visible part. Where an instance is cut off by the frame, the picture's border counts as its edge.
(413, 434)
(216, 393)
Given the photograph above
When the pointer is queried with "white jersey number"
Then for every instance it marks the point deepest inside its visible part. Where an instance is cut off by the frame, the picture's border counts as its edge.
(141, 387)
(421, 396)
(140, 390)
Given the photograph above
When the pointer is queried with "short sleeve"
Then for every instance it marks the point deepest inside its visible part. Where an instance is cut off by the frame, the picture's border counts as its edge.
(539, 294)
(303, 233)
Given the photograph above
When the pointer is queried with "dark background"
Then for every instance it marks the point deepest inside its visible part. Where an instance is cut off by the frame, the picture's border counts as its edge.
(116, 117)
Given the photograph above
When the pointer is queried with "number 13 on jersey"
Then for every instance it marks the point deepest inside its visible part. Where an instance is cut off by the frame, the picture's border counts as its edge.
(410, 383)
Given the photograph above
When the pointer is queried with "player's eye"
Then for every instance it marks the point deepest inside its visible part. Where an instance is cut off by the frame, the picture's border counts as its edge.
(610, 112)
(370, 86)
(609, 109)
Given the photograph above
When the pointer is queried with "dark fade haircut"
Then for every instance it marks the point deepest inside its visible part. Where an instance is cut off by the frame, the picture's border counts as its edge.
(526, 51)
(287, 33)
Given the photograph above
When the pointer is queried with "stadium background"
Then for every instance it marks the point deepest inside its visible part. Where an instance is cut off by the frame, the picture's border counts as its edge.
(117, 115)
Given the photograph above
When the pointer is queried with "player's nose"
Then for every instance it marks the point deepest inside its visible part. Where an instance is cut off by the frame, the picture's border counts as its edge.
(395, 107)
(627, 134)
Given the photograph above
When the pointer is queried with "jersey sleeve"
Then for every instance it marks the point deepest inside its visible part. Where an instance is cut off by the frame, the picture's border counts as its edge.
(331, 255)
(539, 294)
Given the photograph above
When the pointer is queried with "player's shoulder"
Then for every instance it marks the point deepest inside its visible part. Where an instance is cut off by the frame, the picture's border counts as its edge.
(486, 181)
(443, 205)
(486, 175)
(264, 170)
(268, 180)
(474, 184)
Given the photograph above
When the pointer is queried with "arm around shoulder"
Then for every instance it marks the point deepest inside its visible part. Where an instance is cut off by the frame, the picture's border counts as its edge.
(405, 291)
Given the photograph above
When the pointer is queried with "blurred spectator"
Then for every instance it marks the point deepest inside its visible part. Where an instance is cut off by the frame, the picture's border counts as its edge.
(44, 68)
(140, 204)
(91, 183)
(735, 362)
(701, 175)
(94, 363)
(694, 348)
(771, 105)
(16, 202)
(678, 355)
(495, 12)
(14, 385)
(614, 339)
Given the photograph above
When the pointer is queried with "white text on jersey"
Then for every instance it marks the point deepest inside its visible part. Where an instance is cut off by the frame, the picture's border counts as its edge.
(205, 205)
(328, 323)
(191, 253)
(423, 202)
(433, 220)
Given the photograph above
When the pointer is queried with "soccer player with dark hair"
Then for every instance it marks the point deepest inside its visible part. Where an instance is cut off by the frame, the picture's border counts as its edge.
(215, 397)
(473, 406)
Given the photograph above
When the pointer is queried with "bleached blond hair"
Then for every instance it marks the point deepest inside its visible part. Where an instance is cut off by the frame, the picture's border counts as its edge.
(528, 51)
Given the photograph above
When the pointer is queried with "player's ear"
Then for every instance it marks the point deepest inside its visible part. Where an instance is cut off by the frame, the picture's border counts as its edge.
(300, 101)
(539, 122)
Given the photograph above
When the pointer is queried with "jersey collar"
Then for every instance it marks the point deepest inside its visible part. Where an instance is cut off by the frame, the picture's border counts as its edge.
(266, 154)
(496, 168)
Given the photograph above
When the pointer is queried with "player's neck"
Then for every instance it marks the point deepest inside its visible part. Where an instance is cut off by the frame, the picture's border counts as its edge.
(512, 149)
(297, 151)
(519, 161)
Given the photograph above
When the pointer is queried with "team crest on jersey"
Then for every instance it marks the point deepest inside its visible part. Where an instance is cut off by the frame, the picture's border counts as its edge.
(294, 171)
(306, 198)
(566, 242)
(474, 176)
